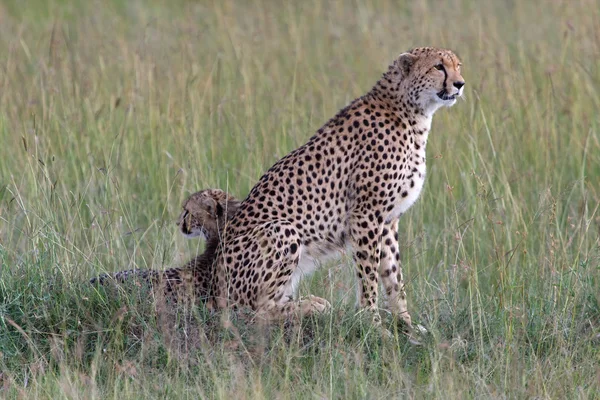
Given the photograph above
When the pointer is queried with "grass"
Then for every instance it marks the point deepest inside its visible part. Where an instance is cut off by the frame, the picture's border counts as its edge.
(112, 112)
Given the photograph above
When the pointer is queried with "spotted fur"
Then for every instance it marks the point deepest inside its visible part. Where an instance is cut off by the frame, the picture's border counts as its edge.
(344, 189)
(204, 214)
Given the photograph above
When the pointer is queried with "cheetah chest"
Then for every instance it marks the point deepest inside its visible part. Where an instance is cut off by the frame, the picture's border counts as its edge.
(409, 193)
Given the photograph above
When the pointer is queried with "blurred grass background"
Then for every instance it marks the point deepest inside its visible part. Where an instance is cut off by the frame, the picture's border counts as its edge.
(112, 112)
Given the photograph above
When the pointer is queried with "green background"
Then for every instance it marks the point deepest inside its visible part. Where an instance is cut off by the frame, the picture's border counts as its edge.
(112, 112)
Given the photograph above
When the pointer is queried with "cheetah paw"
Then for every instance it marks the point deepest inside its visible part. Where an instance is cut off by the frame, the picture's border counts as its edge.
(318, 304)
(415, 334)
(420, 329)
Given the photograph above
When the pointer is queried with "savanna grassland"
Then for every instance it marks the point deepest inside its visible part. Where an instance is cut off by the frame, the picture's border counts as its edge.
(112, 112)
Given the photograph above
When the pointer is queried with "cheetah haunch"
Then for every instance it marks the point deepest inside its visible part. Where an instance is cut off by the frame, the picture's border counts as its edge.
(346, 187)
(204, 214)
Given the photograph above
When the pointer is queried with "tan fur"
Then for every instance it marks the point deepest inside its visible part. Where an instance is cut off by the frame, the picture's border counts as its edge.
(205, 213)
(345, 188)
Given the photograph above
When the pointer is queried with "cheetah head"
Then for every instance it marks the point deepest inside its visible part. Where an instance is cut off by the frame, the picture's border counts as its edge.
(206, 212)
(430, 76)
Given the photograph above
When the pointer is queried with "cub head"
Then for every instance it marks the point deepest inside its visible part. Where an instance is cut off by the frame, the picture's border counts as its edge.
(206, 212)
(431, 77)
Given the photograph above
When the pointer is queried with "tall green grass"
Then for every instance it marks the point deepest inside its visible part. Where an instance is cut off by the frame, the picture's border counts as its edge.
(112, 112)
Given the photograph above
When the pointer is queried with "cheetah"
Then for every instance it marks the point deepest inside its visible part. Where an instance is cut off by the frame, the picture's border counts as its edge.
(346, 188)
(204, 215)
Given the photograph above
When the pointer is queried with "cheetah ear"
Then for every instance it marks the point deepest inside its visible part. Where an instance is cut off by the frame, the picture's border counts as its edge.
(405, 62)
(232, 207)
(210, 206)
(227, 208)
(220, 210)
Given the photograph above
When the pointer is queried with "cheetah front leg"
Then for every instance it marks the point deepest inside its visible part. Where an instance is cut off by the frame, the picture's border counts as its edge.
(393, 281)
(366, 248)
(391, 273)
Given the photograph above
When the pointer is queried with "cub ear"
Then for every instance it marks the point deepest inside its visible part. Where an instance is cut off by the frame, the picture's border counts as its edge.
(404, 62)
(232, 207)
(220, 210)
(210, 205)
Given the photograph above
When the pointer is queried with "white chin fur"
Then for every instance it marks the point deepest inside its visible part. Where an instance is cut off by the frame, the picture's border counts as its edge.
(450, 103)
(195, 234)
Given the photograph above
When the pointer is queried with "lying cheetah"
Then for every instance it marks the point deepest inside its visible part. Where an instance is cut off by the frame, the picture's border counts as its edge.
(204, 214)
(345, 188)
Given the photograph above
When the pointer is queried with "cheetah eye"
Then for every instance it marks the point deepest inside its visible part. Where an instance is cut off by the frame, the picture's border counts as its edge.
(439, 67)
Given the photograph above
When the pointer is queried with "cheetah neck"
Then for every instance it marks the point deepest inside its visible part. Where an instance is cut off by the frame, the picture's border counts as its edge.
(399, 101)
(204, 262)
(400, 95)
(393, 98)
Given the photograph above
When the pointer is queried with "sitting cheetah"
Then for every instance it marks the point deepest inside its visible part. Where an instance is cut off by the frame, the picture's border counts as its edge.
(204, 214)
(345, 188)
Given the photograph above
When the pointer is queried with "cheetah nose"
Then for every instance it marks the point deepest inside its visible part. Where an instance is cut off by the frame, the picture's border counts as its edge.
(458, 85)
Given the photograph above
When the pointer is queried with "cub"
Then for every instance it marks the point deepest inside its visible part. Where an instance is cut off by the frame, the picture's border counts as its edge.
(205, 214)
